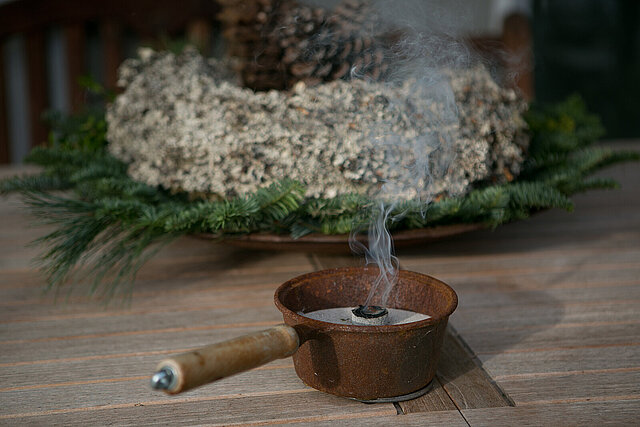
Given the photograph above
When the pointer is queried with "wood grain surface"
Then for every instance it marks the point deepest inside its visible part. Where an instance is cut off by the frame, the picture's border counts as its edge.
(547, 331)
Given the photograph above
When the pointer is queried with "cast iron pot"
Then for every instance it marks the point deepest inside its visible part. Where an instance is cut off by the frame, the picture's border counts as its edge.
(362, 362)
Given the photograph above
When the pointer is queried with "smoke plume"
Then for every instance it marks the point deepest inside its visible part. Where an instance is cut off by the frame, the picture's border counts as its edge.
(421, 59)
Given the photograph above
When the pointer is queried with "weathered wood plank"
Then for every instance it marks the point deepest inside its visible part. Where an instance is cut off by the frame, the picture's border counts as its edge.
(535, 257)
(461, 383)
(586, 386)
(440, 418)
(182, 283)
(469, 287)
(205, 272)
(536, 317)
(257, 407)
(138, 390)
(465, 381)
(503, 366)
(215, 265)
(46, 309)
(522, 340)
(193, 299)
(621, 413)
(193, 295)
(561, 230)
(500, 243)
(69, 372)
(435, 400)
(199, 413)
(557, 297)
(11, 279)
(545, 275)
(250, 311)
(136, 343)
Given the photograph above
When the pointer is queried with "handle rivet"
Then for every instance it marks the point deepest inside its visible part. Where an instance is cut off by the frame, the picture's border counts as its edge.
(163, 379)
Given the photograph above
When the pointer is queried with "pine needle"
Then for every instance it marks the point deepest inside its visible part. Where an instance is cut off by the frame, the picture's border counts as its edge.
(107, 225)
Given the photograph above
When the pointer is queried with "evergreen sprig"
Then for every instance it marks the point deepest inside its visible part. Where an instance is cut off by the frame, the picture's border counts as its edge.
(110, 224)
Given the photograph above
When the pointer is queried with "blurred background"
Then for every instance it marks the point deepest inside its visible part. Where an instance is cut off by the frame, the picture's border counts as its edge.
(53, 51)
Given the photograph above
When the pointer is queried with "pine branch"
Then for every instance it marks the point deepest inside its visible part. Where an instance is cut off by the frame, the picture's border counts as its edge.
(561, 128)
(537, 195)
(279, 200)
(573, 187)
(110, 224)
(40, 182)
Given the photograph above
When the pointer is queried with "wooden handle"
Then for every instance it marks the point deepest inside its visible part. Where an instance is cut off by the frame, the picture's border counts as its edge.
(216, 361)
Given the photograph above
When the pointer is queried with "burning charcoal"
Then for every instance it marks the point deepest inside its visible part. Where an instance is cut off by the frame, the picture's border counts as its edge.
(370, 315)
(347, 316)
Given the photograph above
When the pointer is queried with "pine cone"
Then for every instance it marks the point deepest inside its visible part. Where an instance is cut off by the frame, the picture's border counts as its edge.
(281, 42)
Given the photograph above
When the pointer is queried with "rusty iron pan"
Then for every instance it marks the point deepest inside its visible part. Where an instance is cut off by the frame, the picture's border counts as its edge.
(339, 243)
(369, 363)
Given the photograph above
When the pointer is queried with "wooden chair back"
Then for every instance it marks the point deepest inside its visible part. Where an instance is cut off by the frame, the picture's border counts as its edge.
(148, 21)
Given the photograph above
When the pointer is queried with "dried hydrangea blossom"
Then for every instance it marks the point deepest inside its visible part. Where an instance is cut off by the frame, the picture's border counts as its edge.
(184, 124)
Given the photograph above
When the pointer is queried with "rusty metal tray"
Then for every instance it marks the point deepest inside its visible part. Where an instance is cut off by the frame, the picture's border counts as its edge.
(339, 243)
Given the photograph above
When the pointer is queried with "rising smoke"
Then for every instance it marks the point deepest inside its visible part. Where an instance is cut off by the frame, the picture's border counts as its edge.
(421, 60)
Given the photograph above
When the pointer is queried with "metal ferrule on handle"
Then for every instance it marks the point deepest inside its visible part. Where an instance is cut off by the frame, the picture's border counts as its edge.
(211, 363)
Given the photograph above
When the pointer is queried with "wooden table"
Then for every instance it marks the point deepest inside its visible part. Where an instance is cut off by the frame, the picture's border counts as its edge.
(547, 330)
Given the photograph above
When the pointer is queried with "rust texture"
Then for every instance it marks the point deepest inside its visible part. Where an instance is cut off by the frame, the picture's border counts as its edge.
(366, 362)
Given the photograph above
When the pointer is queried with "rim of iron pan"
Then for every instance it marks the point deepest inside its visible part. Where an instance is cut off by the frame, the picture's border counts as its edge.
(341, 271)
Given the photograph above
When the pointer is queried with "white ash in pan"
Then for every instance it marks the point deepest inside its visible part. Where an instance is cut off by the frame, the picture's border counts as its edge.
(344, 316)
(185, 125)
